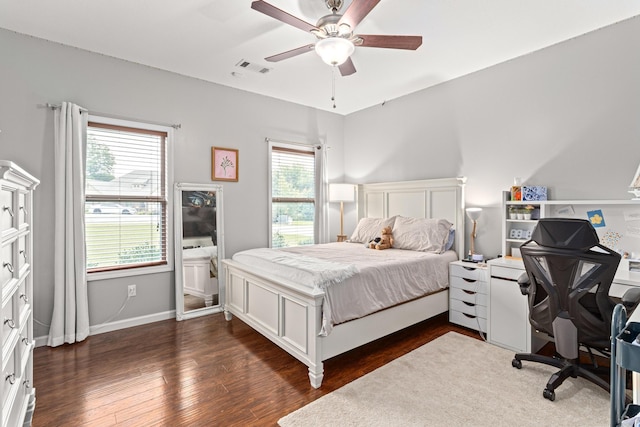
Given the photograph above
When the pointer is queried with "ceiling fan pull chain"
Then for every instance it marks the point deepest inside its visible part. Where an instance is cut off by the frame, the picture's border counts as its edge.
(333, 85)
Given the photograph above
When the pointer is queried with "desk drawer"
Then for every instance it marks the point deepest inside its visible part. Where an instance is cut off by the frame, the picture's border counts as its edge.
(468, 296)
(473, 273)
(468, 284)
(506, 273)
(467, 320)
(469, 308)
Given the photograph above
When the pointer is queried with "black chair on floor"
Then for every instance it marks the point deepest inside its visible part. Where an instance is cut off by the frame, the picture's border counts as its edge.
(567, 281)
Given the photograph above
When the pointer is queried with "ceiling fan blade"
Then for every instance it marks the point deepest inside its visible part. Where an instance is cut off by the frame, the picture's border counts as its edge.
(391, 42)
(290, 53)
(357, 11)
(347, 68)
(281, 15)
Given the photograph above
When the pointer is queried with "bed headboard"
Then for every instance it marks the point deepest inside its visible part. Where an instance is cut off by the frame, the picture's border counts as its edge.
(428, 198)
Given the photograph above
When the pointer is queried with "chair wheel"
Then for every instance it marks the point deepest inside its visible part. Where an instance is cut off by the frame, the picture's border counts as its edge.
(516, 363)
(549, 394)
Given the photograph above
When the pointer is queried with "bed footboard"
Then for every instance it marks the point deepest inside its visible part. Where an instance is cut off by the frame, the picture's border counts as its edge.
(286, 313)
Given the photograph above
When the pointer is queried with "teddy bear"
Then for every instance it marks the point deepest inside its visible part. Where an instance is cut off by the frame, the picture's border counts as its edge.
(384, 242)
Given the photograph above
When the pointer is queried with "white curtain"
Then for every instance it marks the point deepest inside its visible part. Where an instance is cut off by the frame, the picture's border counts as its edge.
(70, 320)
(322, 190)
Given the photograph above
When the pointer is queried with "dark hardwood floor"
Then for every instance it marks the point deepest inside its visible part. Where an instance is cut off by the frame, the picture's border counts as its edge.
(199, 372)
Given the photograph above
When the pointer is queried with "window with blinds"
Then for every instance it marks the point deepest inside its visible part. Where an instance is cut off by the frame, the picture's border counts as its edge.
(292, 196)
(126, 197)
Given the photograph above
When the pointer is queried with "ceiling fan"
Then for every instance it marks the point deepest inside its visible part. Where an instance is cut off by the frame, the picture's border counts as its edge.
(336, 39)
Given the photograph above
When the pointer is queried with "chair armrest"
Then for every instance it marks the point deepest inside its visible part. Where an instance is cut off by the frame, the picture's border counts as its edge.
(524, 283)
(631, 298)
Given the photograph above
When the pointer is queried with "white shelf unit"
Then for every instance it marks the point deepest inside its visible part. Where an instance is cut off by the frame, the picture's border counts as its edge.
(525, 226)
(614, 211)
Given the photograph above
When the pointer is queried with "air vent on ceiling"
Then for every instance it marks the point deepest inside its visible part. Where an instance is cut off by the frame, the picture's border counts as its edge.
(256, 68)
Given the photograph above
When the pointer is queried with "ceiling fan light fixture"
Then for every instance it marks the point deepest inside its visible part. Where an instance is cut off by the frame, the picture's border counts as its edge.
(334, 50)
(344, 30)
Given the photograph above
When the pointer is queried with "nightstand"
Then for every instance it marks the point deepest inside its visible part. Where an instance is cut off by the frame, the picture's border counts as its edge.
(468, 287)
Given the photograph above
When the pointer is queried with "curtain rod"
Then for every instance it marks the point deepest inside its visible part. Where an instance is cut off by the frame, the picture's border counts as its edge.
(175, 126)
(318, 146)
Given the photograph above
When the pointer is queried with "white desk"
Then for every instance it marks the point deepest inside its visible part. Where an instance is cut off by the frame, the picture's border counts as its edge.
(508, 316)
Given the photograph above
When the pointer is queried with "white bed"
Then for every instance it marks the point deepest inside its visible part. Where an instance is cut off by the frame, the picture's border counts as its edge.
(200, 272)
(290, 312)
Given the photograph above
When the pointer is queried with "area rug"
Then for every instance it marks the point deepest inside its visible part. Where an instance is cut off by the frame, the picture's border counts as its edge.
(457, 381)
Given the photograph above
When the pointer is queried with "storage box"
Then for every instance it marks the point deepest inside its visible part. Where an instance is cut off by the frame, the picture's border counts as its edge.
(534, 192)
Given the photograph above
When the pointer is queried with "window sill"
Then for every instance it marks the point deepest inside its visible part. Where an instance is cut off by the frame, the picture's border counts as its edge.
(105, 275)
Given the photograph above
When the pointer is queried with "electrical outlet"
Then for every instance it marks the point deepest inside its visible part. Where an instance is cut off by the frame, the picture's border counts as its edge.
(132, 290)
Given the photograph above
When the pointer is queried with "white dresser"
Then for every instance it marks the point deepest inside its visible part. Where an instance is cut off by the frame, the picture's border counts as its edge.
(468, 283)
(16, 277)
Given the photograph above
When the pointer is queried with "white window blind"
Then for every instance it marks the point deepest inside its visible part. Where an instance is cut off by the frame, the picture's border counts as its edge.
(126, 197)
(292, 196)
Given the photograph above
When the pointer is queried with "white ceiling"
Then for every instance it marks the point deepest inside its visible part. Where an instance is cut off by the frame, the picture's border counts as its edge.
(207, 38)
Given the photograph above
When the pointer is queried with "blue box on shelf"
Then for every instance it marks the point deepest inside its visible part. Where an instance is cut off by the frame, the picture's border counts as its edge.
(534, 193)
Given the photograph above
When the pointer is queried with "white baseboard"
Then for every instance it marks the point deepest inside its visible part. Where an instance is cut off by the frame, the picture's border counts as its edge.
(119, 324)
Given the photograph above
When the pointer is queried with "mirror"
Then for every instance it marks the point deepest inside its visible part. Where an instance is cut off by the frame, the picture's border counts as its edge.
(199, 246)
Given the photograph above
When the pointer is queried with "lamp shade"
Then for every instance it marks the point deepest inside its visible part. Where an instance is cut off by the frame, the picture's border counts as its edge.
(334, 50)
(342, 192)
(474, 213)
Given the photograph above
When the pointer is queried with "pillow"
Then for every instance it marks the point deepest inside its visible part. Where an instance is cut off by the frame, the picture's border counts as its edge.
(421, 234)
(370, 228)
(452, 237)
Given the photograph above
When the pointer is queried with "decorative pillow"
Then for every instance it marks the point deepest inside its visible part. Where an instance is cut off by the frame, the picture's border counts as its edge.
(452, 237)
(421, 234)
(370, 228)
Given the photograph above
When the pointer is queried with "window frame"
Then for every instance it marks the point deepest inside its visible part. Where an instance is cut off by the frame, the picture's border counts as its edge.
(294, 148)
(154, 268)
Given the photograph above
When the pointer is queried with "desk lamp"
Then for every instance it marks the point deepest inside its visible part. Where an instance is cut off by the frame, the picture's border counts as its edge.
(342, 193)
(474, 214)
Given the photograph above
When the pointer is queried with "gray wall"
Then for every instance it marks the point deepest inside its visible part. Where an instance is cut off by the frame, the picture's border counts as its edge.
(35, 72)
(567, 117)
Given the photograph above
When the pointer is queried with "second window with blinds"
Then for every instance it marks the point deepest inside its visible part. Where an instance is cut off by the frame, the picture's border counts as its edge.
(293, 198)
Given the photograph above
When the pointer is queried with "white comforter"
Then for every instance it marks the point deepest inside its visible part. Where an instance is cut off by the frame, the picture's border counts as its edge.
(356, 280)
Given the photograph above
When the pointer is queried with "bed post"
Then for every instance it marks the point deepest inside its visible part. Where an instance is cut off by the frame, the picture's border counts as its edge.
(316, 367)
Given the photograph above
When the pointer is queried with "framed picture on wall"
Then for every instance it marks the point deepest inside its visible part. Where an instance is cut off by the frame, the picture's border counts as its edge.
(224, 164)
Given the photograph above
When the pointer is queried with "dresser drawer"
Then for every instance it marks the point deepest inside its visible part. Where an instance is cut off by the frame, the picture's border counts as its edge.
(468, 320)
(7, 263)
(469, 308)
(7, 211)
(10, 377)
(22, 301)
(22, 253)
(468, 284)
(15, 392)
(468, 296)
(9, 318)
(21, 212)
(473, 273)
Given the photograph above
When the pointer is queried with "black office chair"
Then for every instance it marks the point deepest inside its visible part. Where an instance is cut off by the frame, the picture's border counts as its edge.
(567, 281)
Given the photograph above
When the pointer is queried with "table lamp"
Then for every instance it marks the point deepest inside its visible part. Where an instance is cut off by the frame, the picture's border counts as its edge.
(342, 193)
(474, 214)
